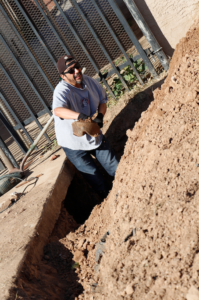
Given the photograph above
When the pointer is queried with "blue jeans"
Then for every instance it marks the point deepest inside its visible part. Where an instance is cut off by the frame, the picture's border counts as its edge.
(83, 161)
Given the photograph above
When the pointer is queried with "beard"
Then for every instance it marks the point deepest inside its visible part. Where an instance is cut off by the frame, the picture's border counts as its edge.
(78, 81)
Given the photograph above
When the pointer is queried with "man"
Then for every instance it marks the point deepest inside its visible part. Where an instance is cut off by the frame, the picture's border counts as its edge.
(77, 97)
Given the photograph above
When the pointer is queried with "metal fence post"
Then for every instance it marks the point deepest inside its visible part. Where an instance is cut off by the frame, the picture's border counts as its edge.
(147, 32)
(132, 37)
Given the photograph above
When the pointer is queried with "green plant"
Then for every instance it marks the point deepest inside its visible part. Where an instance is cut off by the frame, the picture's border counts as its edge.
(54, 144)
(119, 60)
(111, 102)
(104, 71)
(51, 147)
(117, 87)
(75, 265)
(45, 149)
(129, 76)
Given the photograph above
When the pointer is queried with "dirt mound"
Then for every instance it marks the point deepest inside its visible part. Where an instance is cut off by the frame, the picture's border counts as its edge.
(152, 251)
(142, 241)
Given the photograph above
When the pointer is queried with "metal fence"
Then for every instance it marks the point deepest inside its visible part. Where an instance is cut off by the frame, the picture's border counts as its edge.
(35, 33)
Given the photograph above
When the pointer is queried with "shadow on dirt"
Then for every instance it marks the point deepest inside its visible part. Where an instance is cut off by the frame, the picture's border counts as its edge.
(80, 198)
(126, 119)
(53, 279)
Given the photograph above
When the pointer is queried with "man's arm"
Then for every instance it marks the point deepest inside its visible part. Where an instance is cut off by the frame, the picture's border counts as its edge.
(101, 113)
(65, 113)
(102, 108)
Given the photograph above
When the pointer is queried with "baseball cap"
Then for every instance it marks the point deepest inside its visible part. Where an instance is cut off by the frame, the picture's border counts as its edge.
(61, 64)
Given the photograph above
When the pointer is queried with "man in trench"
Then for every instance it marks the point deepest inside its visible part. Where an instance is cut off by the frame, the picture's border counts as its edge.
(78, 96)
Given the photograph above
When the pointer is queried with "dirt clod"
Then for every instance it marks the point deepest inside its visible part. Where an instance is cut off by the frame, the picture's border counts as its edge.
(193, 293)
(87, 126)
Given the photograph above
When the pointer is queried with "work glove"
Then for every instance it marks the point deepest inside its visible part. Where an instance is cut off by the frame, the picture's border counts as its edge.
(82, 116)
(99, 120)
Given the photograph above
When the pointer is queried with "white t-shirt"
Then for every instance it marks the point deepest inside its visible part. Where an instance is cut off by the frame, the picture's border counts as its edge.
(86, 101)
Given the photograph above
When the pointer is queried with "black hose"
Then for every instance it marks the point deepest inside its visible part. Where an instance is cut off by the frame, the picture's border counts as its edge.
(36, 179)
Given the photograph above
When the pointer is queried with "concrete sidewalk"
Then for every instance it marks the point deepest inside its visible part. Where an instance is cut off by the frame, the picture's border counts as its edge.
(26, 226)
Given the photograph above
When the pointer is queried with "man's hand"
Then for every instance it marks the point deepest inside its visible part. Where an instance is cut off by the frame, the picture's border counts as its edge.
(99, 120)
(82, 116)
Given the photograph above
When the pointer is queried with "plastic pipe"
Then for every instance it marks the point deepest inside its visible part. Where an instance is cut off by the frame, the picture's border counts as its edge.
(6, 161)
(12, 122)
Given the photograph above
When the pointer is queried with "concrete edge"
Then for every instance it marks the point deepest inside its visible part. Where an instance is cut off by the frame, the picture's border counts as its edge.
(50, 214)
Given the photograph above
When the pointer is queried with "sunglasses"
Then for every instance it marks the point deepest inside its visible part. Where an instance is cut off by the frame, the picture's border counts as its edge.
(71, 70)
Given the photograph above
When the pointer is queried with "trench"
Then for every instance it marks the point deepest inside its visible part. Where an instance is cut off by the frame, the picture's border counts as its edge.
(54, 277)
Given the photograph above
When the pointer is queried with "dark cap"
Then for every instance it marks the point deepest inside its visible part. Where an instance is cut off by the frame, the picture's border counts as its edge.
(61, 64)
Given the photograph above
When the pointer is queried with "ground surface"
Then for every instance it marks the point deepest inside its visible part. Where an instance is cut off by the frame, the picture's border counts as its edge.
(151, 213)
(26, 226)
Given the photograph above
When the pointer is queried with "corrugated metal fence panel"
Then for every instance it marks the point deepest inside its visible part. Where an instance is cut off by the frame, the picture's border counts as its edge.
(47, 30)
(18, 78)
(44, 30)
(100, 28)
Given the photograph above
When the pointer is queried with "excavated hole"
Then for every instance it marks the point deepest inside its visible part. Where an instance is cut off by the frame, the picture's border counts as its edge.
(81, 198)
(54, 278)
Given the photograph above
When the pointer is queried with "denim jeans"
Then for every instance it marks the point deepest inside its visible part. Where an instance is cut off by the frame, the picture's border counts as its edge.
(83, 161)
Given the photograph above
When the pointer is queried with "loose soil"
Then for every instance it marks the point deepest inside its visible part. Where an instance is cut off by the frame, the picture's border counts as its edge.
(151, 250)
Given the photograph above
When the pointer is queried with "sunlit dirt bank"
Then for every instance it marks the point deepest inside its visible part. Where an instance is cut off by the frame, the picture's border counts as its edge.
(142, 241)
(152, 250)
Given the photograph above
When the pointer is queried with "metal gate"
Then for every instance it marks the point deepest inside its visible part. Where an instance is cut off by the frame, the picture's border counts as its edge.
(35, 33)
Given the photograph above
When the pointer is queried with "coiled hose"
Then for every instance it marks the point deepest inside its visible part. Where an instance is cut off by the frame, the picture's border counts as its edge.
(8, 181)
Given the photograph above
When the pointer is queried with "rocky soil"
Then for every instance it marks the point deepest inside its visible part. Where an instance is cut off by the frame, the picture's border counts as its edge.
(151, 249)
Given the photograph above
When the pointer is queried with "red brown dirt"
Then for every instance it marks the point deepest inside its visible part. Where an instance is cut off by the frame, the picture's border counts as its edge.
(151, 213)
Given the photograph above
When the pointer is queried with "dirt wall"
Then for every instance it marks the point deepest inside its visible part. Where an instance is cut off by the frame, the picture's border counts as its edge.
(151, 250)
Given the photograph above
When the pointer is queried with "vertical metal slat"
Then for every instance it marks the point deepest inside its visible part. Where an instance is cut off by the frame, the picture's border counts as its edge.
(25, 75)
(8, 153)
(52, 28)
(99, 43)
(13, 133)
(84, 48)
(36, 33)
(27, 49)
(116, 40)
(132, 37)
(15, 116)
(24, 102)
(147, 32)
